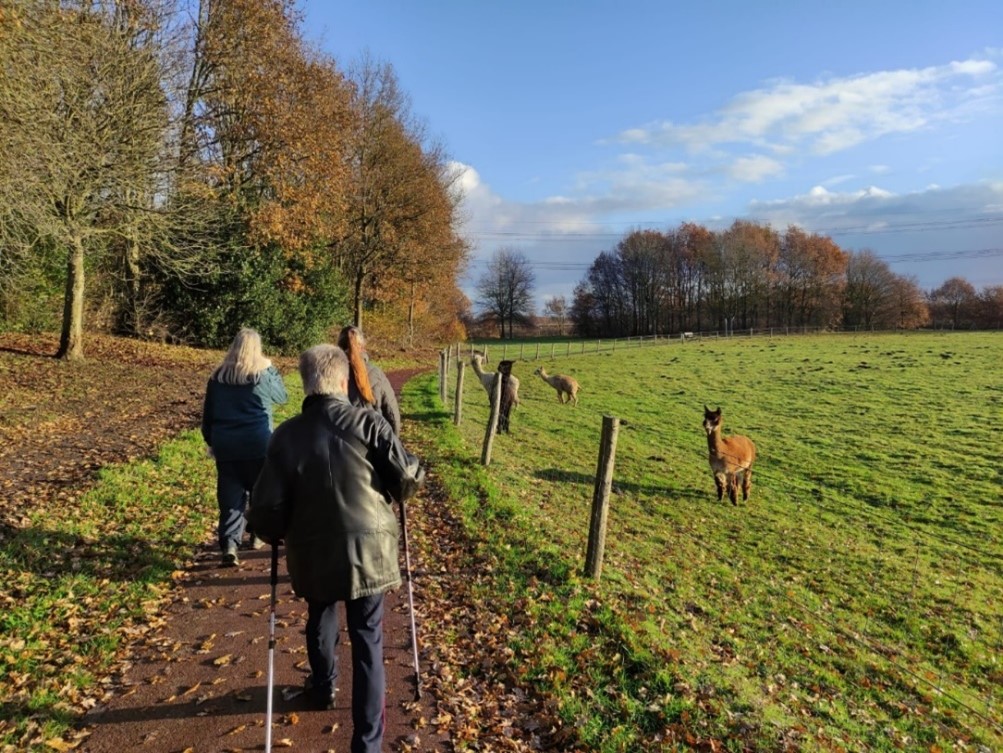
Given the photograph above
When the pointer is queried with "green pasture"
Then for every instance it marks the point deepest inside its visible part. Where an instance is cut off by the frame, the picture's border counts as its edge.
(855, 602)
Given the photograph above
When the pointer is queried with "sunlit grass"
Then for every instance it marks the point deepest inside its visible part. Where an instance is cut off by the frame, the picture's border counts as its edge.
(853, 602)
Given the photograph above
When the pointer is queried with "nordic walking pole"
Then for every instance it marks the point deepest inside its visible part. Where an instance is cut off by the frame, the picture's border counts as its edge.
(410, 601)
(271, 651)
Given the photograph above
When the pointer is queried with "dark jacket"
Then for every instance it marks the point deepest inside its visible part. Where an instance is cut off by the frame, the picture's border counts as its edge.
(326, 489)
(237, 418)
(386, 400)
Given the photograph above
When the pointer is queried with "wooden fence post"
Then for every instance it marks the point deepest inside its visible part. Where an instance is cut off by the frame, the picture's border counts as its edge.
(489, 434)
(442, 376)
(552, 351)
(600, 497)
(445, 371)
(537, 358)
(458, 398)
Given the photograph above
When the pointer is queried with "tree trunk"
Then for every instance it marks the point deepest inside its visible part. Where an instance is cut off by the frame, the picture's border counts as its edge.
(131, 321)
(358, 299)
(71, 344)
(410, 317)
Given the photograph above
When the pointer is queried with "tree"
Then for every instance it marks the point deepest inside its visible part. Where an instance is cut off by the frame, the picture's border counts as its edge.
(641, 254)
(953, 303)
(990, 307)
(557, 308)
(869, 297)
(910, 306)
(262, 142)
(400, 204)
(83, 117)
(505, 291)
(811, 275)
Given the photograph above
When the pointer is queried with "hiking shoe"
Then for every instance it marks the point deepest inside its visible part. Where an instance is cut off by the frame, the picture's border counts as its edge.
(320, 701)
(257, 543)
(230, 555)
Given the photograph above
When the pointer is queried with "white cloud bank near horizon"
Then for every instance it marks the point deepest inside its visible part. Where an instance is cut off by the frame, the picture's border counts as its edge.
(561, 236)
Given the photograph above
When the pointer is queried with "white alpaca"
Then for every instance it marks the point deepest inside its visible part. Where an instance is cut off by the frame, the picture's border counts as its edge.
(487, 377)
(564, 385)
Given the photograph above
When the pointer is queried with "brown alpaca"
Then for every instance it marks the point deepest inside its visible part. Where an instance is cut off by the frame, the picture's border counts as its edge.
(730, 457)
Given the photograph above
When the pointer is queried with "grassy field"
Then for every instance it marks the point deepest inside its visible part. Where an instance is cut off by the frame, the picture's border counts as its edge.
(854, 603)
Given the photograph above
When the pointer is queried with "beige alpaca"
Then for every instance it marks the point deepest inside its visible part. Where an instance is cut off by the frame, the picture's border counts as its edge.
(487, 377)
(730, 458)
(564, 385)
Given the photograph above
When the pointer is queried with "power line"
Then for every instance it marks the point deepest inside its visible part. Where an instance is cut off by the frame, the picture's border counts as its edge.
(625, 227)
(911, 256)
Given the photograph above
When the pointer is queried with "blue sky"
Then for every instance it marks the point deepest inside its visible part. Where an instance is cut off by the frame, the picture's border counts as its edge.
(878, 123)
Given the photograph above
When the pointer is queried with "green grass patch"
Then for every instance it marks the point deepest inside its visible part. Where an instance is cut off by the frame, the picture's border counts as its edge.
(852, 604)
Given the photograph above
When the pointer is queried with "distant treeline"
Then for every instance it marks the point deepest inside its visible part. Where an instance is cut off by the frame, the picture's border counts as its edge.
(752, 276)
(180, 168)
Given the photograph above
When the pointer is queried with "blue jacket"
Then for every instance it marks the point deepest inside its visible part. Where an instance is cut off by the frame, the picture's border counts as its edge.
(237, 418)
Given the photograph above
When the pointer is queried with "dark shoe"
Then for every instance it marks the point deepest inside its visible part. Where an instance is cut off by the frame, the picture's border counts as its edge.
(320, 701)
(230, 555)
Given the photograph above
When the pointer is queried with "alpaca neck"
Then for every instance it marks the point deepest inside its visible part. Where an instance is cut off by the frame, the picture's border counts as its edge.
(714, 441)
(477, 367)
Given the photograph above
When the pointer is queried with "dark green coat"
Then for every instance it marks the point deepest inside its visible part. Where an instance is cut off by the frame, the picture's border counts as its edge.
(326, 488)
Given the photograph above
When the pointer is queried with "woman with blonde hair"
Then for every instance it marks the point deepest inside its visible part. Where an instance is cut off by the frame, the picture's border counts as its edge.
(367, 384)
(236, 425)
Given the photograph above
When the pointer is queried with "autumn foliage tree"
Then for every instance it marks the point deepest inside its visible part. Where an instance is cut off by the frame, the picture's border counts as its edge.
(261, 140)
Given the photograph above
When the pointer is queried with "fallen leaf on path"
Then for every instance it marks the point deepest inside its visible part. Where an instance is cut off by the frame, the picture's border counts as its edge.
(59, 744)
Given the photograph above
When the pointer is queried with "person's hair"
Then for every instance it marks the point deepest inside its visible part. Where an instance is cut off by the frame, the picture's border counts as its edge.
(322, 368)
(353, 343)
(244, 361)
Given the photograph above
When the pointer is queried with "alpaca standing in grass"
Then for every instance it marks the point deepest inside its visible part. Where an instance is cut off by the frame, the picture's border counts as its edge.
(730, 457)
(487, 378)
(564, 385)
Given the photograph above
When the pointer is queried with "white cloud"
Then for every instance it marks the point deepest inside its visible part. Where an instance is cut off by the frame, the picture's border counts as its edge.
(837, 179)
(835, 114)
(755, 169)
(823, 210)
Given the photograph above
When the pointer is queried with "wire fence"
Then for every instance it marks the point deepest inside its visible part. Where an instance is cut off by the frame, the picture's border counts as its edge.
(571, 346)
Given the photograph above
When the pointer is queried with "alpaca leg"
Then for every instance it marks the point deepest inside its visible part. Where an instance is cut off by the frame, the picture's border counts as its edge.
(746, 483)
(719, 483)
(733, 488)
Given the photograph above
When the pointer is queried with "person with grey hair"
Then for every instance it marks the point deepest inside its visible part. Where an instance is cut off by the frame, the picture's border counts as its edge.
(236, 424)
(326, 489)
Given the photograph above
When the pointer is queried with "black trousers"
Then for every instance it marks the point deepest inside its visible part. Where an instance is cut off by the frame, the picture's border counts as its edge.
(365, 630)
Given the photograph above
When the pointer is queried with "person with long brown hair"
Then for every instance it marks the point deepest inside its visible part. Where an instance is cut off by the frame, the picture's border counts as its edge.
(236, 425)
(367, 384)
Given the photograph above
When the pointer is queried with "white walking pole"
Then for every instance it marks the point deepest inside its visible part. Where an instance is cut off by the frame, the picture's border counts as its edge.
(271, 651)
